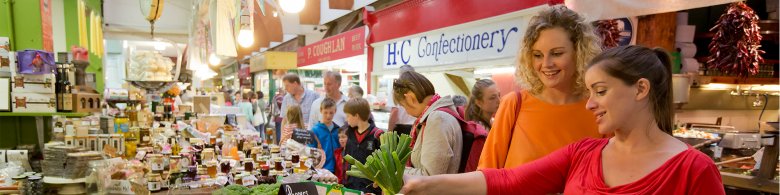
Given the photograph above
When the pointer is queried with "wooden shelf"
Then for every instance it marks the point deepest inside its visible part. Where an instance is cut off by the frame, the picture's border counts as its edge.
(749, 182)
(737, 80)
(65, 114)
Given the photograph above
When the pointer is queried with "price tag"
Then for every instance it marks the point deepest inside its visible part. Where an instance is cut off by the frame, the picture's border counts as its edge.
(140, 155)
(303, 136)
(58, 130)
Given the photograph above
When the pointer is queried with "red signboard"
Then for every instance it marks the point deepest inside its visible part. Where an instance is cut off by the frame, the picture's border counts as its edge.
(244, 76)
(347, 44)
(48, 42)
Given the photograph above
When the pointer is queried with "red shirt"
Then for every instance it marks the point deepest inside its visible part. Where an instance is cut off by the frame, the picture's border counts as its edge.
(576, 169)
(340, 172)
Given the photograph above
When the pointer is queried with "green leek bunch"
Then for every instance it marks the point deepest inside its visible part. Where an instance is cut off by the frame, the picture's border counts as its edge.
(385, 166)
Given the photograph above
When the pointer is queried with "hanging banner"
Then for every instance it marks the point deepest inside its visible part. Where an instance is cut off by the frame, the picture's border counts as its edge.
(347, 44)
(46, 30)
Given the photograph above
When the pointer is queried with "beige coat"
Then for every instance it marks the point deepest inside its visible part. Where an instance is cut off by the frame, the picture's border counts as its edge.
(438, 149)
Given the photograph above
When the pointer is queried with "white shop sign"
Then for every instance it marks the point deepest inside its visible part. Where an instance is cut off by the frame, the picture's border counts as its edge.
(486, 41)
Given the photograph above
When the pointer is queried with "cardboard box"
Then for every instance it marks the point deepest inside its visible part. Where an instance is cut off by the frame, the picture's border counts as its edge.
(5, 94)
(32, 83)
(5, 52)
(33, 102)
(86, 102)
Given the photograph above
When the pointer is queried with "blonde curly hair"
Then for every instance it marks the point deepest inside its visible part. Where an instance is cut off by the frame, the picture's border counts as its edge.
(586, 45)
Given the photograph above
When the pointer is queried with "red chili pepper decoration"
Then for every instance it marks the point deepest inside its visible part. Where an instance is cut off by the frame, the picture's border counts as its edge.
(735, 47)
(609, 33)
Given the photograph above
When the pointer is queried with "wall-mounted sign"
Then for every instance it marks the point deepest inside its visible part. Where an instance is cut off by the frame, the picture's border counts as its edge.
(344, 45)
(484, 42)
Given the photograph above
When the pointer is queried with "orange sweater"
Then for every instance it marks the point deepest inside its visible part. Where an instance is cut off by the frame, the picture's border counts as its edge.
(541, 128)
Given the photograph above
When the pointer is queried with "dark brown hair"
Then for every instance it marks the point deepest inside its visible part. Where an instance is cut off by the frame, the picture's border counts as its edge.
(631, 63)
(474, 112)
(359, 107)
(414, 82)
(327, 103)
(292, 78)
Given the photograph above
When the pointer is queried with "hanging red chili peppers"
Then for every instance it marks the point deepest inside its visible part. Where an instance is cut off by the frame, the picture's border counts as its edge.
(609, 33)
(735, 47)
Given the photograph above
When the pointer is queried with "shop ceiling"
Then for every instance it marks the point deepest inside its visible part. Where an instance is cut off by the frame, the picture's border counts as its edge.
(124, 21)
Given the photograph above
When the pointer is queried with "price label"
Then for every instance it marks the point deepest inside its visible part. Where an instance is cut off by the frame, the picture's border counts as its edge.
(140, 155)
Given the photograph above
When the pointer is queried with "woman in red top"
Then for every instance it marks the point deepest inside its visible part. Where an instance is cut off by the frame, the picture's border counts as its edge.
(630, 96)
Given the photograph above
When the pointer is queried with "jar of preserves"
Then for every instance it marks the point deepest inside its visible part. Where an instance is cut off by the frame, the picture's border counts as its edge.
(153, 182)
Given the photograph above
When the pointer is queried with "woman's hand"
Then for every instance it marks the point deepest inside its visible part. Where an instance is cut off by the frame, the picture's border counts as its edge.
(413, 185)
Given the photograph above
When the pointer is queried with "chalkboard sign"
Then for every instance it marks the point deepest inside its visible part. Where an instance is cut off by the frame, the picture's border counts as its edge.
(303, 188)
(230, 119)
(303, 136)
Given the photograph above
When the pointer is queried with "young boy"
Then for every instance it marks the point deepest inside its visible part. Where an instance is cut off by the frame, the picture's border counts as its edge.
(341, 165)
(362, 140)
(327, 133)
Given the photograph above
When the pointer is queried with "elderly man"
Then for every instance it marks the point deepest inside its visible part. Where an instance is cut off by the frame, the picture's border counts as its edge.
(297, 95)
(332, 82)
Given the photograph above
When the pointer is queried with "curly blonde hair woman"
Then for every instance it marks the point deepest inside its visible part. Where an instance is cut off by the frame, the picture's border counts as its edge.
(549, 112)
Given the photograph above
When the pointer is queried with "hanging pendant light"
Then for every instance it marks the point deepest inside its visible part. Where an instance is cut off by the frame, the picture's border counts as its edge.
(292, 6)
(214, 60)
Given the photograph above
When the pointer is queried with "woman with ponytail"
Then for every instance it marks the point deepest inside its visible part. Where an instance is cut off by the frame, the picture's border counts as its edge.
(631, 97)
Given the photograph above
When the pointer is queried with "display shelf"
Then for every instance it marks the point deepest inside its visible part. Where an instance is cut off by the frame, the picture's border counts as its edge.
(66, 114)
(737, 80)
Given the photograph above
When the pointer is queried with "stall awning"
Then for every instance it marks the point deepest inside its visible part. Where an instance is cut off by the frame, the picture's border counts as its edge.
(609, 9)
(273, 60)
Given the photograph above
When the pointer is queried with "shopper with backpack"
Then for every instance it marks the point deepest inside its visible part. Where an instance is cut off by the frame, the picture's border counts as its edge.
(437, 140)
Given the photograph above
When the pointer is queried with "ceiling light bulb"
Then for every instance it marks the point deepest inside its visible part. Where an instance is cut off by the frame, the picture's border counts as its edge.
(245, 38)
(292, 6)
(214, 60)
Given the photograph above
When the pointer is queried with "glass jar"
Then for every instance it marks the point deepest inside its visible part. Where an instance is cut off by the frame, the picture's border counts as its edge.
(275, 151)
(202, 171)
(34, 185)
(211, 168)
(302, 165)
(153, 182)
(164, 184)
(145, 135)
(255, 153)
(173, 163)
(156, 163)
(225, 166)
(131, 145)
(185, 161)
(248, 165)
(192, 171)
(21, 183)
(207, 155)
(278, 164)
(295, 158)
(264, 169)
